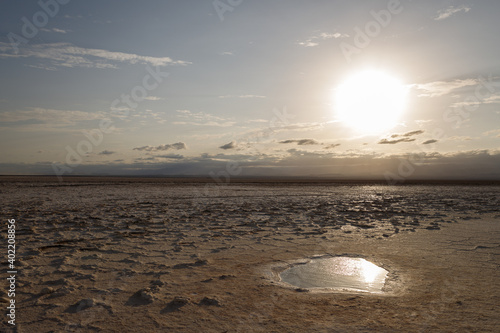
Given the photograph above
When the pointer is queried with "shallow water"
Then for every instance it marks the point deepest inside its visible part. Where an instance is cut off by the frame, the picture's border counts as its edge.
(341, 273)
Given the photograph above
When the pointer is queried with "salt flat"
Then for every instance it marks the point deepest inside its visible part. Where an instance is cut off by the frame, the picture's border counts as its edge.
(124, 256)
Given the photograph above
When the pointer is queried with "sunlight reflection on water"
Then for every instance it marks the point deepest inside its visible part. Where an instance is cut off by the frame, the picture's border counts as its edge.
(338, 273)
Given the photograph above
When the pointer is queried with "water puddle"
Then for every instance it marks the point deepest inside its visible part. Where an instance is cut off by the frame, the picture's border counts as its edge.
(342, 273)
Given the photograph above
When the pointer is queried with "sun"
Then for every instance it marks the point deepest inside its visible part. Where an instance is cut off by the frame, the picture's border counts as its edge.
(370, 102)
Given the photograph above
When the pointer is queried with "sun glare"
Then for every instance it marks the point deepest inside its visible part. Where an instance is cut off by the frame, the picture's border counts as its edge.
(370, 102)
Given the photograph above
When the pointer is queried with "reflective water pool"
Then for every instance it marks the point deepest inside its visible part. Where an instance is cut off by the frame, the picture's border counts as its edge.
(348, 273)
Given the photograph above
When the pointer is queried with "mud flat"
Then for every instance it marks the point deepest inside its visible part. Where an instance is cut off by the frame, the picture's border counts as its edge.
(158, 257)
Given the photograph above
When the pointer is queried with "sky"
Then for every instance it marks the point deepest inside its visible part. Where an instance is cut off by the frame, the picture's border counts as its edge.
(231, 88)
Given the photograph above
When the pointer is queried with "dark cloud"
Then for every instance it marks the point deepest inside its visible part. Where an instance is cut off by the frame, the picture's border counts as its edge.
(417, 132)
(171, 156)
(481, 164)
(302, 142)
(428, 142)
(151, 158)
(230, 145)
(405, 137)
(392, 142)
(407, 134)
(107, 152)
(176, 146)
(332, 146)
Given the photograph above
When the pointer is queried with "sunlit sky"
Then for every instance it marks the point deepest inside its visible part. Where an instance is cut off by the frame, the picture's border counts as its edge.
(193, 87)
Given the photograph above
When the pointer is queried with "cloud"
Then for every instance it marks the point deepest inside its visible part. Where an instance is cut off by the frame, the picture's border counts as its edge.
(480, 164)
(61, 31)
(258, 121)
(201, 119)
(267, 132)
(493, 99)
(423, 121)
(230, 145)
(428, 142)
(452, 10)
(176, 146)
(331, 146)
(417, 132)
(392, 142)
(308, 43)
(300, 127)
(314, 40)
(151, 158)
(153, 98)
(171, 156)
(326, 35)
(398, 138)
(107, 152)
(209, 123)
(460, 138)
(251, 96)
(44, 67)
(46, 118)
(493, 133)
(69, 55)
(242, 96)
(407, 134)
(441, 88)
(302, 142)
